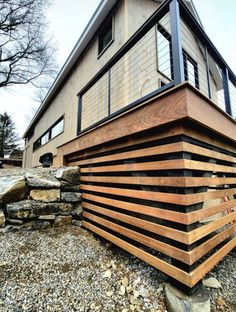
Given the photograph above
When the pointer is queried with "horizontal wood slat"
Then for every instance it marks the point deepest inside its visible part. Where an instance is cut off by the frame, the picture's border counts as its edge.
(162, 181)
(157, 150)
(143, 255)
(175, 164)
(184, 237)
(184, 218)
(145, 240)
(211, 243)
(207, 265)
(179, 199)
(139, 223)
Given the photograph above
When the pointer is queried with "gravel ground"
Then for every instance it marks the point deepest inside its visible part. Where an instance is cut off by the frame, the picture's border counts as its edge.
(68, 269)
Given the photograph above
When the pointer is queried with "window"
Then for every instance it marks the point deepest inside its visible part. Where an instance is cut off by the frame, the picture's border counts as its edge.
(164, 59)
(45, 138)
(105, 36)
(57, 128)
(190, 70)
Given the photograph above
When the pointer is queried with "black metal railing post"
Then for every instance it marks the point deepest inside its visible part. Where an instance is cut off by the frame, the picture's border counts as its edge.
(225, 76)
(208, 73)
(79, 112)
(177, 54)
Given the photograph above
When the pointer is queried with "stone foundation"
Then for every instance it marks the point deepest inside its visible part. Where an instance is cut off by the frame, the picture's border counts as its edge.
(39, 198)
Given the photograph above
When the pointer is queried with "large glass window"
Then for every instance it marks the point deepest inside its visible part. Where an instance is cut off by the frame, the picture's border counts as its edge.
(51, 133)
(57, 129)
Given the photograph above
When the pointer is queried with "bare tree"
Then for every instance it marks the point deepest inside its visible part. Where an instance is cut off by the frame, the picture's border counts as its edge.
(26, 52)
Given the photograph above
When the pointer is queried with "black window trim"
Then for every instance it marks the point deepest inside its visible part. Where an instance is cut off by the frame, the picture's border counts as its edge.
(49, 131)
(112, 16)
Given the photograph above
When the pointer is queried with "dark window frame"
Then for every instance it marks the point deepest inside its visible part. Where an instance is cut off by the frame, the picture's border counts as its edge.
(187, 58)
(109, 21)
(38, 143)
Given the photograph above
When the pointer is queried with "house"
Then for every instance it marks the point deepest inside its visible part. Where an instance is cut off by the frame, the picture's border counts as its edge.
(146, 106)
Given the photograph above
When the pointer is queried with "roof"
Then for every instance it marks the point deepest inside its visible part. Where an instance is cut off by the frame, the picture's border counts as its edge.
(93, 25)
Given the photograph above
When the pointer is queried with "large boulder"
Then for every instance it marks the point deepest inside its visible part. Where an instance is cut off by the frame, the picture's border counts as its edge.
(2, 219)
(69, 174)
(32, 209)
(12, 188)
(177, 301)
(42, 181)
(46, 196)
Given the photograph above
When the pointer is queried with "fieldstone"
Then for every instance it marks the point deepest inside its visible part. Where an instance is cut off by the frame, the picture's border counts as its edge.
(34, 180)
(68, 187)
(46, 196)
(71, 197)
(77, 211)
(47, 217)
(15, 221)
(109, 293)
(62, 220)
(179, 302)
(69, 174)
(211, 282)
(31, 209)
(12, 189)
(76, 223)
(35, 225)
(2, 219)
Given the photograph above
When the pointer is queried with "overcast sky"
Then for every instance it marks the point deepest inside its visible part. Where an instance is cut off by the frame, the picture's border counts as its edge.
(67, 20)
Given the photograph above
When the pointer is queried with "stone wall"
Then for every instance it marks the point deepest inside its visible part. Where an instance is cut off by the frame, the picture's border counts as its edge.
(39, 198)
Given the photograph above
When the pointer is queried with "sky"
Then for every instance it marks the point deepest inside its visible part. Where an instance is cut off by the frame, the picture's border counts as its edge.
(68, 18)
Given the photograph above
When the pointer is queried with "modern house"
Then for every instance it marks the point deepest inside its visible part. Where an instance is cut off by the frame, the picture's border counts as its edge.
(146, 106)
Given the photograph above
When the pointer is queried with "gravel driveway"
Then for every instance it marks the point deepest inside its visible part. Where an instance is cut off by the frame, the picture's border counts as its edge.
(68, 269)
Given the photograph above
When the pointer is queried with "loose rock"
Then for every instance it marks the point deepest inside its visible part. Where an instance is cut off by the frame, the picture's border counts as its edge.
(62, 220)
(211, 282)
(2, 219)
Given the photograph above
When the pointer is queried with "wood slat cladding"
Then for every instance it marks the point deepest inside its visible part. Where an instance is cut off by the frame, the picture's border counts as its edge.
(152, 198)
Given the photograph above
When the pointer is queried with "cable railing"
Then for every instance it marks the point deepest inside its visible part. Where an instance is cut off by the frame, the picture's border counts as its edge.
(169, 49)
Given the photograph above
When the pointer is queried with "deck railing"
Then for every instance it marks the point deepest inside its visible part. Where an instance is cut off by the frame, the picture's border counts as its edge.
(170, 48)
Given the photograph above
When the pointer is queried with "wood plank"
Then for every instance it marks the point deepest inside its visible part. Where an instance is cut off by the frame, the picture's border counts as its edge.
(143, 239)
(198, 150)
(209, 211)
(143, 255)
(139, 223)
(204, 230)
(113, 147)
(156, 150)
(207, 265)
(142, 209)
(179, 199)
(179, 217)
(149, 151)
(211, 243)
(161, 181)
(174, 164)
